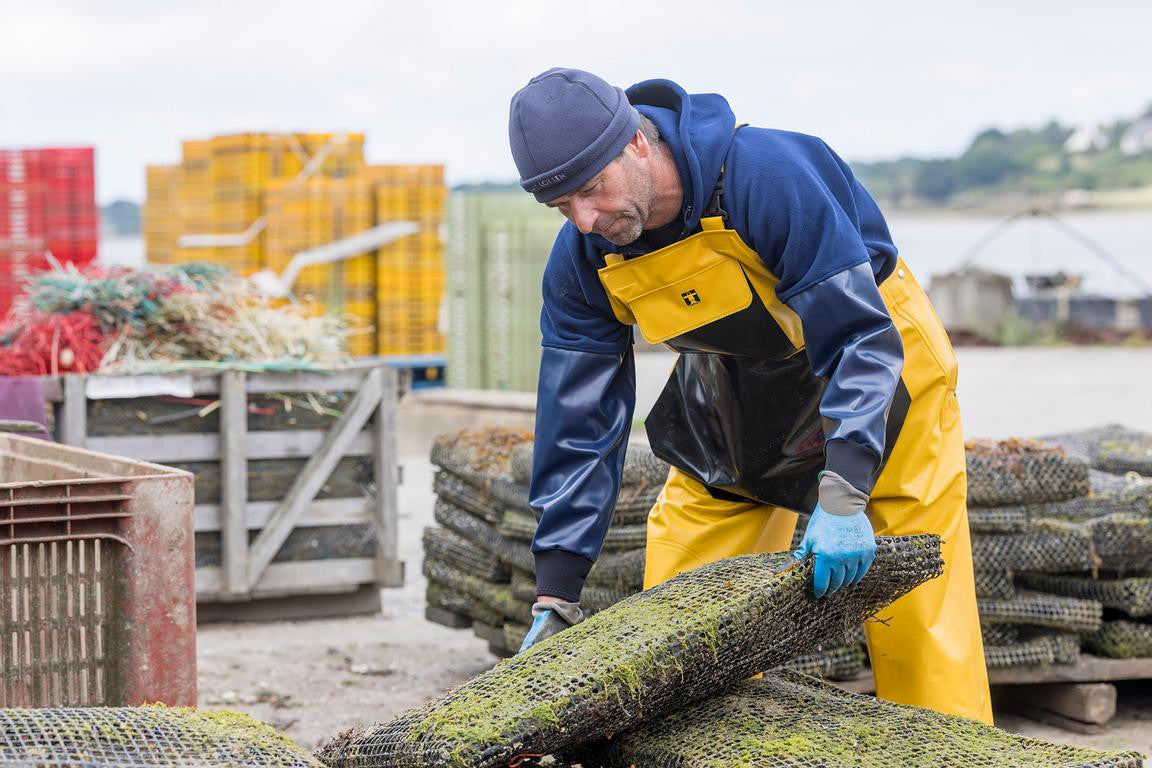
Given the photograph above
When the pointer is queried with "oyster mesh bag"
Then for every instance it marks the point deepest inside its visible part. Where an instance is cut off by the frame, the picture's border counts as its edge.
(1120, 639)
(788, 720)
(1012, 519)
(641, 658)
(1042, 610)
(1021, 471)
(1132, 595)
(997, 584)
(1000, 634)
(1062, 548)
(516, 554)
(496, 597)
(443, 596)
(134, 737)
(1111, 448)
(1122, 543)
(1038, 650)
(453, 549)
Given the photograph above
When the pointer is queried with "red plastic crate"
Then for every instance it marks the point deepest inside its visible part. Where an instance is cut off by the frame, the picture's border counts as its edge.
(97, 560)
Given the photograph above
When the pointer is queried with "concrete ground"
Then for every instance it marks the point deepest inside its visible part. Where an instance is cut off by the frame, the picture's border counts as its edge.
(313, 679)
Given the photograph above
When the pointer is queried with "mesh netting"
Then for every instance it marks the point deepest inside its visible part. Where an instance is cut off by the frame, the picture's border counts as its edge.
(134, 737)
(451, 548)
(787, 720)
(516, 554)
(1062, 548)
(514, 634)
(1134, 500)
(831, 664)
(1109, 448)
(999, 519)
(1037, 651)
(497, 597)
(1120, 640)
(995, 584)
(454, 489)
(486, 451)
(1042, 610)
(1123, 543)
(657, 650)
(1000, 634)
(443, 596)
(1132, 595)
(1021, 471)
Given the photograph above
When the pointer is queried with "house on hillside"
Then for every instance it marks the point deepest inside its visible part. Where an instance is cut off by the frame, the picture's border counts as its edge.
(1086, 138)
(1138, 137)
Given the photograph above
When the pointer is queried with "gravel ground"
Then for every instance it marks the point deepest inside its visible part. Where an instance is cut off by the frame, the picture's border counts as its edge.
(313, 679)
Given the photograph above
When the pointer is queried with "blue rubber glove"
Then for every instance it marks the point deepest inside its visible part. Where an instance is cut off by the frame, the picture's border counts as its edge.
(550, 618)
(843, 547)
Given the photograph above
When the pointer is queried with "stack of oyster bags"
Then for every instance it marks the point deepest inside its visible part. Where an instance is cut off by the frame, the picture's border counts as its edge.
(478, 559)
(1062, 545)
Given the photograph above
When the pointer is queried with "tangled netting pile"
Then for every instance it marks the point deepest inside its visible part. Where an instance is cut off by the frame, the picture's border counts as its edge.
(639, 659)
(1078, 559)
(787, 720)
(131, 737)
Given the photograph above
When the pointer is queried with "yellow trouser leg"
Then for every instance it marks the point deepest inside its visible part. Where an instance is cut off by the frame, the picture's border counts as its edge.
(928, 652)
(688, 528)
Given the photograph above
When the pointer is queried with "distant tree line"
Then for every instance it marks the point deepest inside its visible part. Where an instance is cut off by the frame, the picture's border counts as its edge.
(1026, 161)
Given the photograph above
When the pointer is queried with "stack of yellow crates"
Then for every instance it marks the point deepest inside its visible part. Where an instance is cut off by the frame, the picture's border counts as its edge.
(310, 189)
(410, 272)
(161, 219)
(306, 214)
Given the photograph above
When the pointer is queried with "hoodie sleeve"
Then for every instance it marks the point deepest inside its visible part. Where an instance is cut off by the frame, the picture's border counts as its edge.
(585, 399)
(807, 224)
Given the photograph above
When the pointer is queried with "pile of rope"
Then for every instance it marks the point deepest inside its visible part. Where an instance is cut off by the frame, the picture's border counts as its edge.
(122, 320)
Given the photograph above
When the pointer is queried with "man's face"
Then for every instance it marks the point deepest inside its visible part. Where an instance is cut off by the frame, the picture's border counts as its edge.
(615, 203)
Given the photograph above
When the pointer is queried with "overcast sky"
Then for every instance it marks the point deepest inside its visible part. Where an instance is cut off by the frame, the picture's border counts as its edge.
(429, 80)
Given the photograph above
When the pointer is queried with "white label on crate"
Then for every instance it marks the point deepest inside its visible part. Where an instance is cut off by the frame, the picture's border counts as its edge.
(110, 387)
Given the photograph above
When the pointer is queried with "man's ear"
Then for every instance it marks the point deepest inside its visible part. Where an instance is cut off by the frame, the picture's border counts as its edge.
(640, 145)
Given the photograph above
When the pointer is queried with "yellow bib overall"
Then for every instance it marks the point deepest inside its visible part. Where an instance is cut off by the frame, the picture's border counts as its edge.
(927, 650)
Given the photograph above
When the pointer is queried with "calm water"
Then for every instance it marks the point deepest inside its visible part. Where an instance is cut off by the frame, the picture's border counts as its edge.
(935, 244)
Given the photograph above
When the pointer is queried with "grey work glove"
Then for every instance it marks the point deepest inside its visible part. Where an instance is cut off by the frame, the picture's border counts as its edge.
(550, 618)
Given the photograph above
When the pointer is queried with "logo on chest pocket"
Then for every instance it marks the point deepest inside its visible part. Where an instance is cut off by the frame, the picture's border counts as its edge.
(690, 297)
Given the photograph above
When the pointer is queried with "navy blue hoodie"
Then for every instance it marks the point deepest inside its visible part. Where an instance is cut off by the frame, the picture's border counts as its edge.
(816, 228)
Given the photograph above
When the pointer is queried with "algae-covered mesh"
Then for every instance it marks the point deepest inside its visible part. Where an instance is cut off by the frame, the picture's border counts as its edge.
(1043, 610)
(451, 599)
(641, 658)
(1035, 651)
(486, 451)
(516, 554)
(1120, 639)
(453, 549)
(1063, 548)
(497, 597)
(998, 584)
(788, 720)
(1021, 471)
(999, 519)
(1131, 595)
(134, 737)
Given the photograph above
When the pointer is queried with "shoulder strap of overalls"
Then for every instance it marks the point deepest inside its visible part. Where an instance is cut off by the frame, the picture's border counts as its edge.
(715, 206)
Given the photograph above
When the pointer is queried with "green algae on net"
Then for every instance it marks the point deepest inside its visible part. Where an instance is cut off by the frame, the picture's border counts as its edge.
(788, 720)
(119, 737)
(638, 660)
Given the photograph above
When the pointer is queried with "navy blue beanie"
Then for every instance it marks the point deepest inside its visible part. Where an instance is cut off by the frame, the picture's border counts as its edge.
(564, 127)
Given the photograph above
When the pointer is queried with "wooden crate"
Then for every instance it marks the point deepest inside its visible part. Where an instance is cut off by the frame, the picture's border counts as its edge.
(244, 456)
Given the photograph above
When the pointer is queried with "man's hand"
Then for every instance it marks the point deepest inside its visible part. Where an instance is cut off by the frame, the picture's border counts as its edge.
(843, 547)
(551, 616)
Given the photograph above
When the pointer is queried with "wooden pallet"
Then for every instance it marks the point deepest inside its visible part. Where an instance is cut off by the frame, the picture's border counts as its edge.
(247, 572)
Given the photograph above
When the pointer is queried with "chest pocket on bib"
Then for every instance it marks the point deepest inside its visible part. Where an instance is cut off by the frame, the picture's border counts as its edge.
(669, 293)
